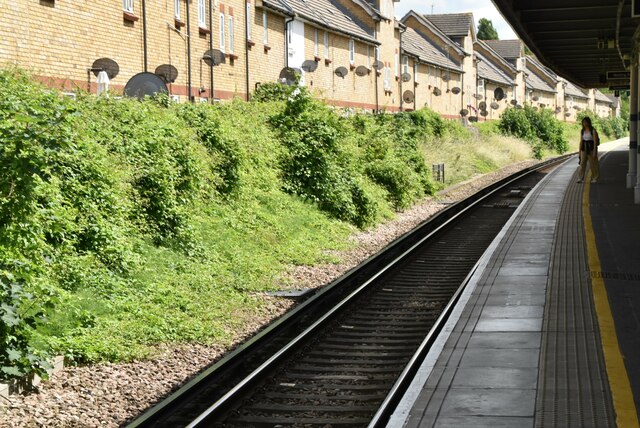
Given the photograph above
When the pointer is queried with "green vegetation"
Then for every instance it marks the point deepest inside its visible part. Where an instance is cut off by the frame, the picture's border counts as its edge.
(126, 224)
(537, 126)
(611, 127)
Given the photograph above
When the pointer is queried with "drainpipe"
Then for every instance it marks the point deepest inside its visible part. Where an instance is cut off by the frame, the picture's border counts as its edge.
(189, 53)
(144, 33)
(376, 48)
(633, 126)
(400, 64)
(212, 94)
(287, 30)
(415, 91)
(246, 48)
(462, 90)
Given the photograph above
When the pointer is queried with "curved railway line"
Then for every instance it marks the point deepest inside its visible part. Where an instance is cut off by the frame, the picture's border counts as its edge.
(343, 357)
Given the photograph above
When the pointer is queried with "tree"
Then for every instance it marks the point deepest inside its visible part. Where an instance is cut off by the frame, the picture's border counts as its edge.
(486, 31)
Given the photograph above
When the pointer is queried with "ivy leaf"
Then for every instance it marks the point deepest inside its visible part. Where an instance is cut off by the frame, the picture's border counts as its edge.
(12, 371)
(13, 354)
(10, 317)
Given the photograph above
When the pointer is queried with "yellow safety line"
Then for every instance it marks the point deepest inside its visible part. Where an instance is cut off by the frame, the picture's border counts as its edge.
(626, 414)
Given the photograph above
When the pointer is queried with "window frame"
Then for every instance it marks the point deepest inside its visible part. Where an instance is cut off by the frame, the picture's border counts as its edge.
(415, 71)
(316, 48)
(127, 6)
(265, 28)
(405, 64)
(248, 21)
(369, 57)
(396, 64)
(480, 84)
(352, 51)
(326, 45)
(231, 33)
(176, 9)
(202, 14)
(221, 33)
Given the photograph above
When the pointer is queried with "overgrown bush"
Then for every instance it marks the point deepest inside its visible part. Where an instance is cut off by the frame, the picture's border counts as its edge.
(537, 126)
(272, 91)
(315, 166)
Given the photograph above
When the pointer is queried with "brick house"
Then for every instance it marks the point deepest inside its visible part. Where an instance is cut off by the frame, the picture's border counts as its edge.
(496, 81)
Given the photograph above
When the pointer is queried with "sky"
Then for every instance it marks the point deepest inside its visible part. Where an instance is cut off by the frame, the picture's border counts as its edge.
(480, 9)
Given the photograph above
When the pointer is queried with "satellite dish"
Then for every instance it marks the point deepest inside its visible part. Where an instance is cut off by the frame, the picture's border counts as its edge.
(567, 114)
(378, 65)
(482, 106)
(341, 72)
(464, 112)
(534, 108)
(362, 71)
(144, 84)
(214, 57)
(558, 110)
(407, 97)
(473, 118)
(406, 77)
(484, 113)
(566, 108)
(477, 96)
(167, 72)
(455, 90)
(498, 94)
(494, 105)
(542, 105)
(309, 66)
(513, 102)
(518, 106)
(437, 92)
(289, 76)
(535, 98)
(446, 78)
(105, 64)
(577, 108)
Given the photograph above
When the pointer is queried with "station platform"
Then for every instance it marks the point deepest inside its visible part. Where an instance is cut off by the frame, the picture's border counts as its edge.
(547, 332)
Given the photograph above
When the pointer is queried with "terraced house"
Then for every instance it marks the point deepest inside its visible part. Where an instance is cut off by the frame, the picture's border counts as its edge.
(350, 53)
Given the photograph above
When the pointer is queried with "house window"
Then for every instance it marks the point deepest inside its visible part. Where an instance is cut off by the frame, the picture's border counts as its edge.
(396, 64)
(249, 21)
(481, 87)
(176, 8)
(368, 56)
(231, 34)
(405, 64)
(222, 36)
(202, 22)
(315, 42)
(326, 45)
(376, 53)
(265, 33)
(415, 71)
(127, 6)
(386, 82)
(352, 51)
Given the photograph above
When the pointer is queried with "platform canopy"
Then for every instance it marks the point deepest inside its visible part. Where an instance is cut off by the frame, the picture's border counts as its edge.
(580, 40)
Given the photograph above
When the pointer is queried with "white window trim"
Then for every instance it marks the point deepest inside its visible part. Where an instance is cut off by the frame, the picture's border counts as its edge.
(405, 64)
(415, 71)
(127, 6)
(222, 33)
(265, 28)
(230, 31)
(396, 64)
(368, 56)
(248, 15)
(202, 14)
(480, 88)
(315, 42)
(376, 53)
(352, 51)
(326, 45)
(176, 8)
(386, 81)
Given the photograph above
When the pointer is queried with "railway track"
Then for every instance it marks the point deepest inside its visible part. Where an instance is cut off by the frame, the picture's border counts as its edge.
(341, 358)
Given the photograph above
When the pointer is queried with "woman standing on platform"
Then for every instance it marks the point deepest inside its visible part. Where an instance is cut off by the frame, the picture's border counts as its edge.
(589, 142)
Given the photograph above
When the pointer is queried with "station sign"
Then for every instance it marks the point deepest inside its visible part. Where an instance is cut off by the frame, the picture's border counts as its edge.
(622, 74)
(619, 88)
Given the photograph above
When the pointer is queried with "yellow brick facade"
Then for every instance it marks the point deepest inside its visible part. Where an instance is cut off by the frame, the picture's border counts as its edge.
(59, 40)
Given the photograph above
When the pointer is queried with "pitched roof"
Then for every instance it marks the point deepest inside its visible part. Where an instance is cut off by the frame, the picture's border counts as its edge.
(452, 24)
(507, 49)
(573, 91)
(602, 97)
(488, 70)
(425, 50)
(326, 13)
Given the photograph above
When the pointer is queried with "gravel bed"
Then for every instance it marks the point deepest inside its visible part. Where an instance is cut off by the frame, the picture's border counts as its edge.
(109, 395)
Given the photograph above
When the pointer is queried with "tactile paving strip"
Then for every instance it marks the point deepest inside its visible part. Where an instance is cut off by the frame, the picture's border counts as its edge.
(573, 389)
